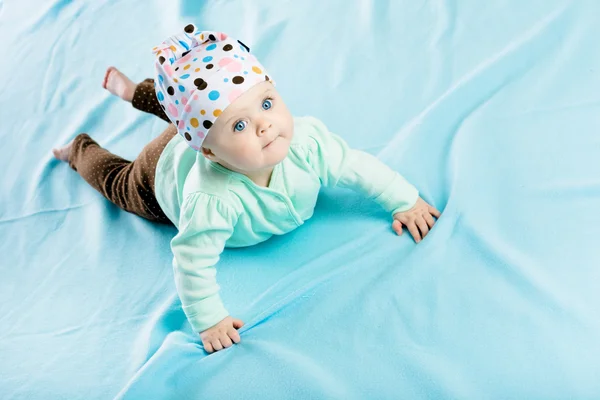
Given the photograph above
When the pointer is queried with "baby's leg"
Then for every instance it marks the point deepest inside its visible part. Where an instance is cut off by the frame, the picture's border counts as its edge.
(129, 185)
(142, 95)
(144, 99)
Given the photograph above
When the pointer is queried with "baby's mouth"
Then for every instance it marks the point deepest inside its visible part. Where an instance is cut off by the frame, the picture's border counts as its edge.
(271, 142)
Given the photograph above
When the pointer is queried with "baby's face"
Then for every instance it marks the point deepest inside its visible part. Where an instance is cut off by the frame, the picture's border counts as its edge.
(253, 133)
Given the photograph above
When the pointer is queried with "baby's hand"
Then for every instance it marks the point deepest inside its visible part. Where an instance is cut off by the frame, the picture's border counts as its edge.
(418, 218)
(222, 335)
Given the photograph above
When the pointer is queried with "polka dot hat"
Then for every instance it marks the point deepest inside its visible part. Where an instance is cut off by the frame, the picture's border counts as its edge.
(199, 74)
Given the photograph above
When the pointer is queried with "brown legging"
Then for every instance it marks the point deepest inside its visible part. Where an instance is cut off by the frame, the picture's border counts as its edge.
(128, 184)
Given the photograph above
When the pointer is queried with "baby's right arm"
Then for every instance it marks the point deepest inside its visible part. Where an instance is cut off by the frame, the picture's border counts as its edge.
(205, 225)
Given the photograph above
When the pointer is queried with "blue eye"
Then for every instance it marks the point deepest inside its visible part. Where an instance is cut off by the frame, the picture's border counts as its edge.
(267, 104)
(240, 126)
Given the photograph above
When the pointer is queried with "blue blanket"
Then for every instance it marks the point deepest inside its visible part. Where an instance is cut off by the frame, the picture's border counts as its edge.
(492, 109)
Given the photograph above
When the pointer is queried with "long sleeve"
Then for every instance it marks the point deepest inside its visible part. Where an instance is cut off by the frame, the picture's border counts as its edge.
(206, 223)
(339, 165)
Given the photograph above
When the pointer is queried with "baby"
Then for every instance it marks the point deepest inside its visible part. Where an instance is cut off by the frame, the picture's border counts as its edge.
(233, 169)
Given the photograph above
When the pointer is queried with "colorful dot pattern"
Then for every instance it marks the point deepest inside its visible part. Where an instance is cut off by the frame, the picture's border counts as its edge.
(199, 74)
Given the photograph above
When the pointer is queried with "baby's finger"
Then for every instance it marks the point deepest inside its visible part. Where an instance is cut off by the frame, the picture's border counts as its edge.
(429, 219)
(216, 343)
(412, 228)
(422, 226)
(208, 347)
(225, 341)
(234, 335)
(401, 217)
(237, 323)
(397, 227)
(433, 211)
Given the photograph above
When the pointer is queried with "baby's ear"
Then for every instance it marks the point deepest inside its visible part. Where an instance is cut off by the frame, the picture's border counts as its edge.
(208, 154)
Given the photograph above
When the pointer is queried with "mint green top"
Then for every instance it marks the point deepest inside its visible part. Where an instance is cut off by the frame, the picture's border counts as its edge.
(214, 208)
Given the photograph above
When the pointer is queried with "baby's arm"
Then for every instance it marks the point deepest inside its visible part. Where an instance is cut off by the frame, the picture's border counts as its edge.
(206, 223)
(339, 165)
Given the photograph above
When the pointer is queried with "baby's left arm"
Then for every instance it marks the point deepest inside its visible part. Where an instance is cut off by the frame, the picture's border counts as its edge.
(339, 165)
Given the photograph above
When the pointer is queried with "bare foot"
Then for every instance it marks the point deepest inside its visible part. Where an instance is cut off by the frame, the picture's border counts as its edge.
(63, 153)
(118, 84)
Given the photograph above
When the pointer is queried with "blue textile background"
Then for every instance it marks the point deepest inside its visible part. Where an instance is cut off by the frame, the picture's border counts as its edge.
(492, 109)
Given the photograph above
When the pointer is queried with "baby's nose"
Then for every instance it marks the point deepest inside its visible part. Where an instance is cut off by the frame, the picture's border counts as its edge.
(264, 127)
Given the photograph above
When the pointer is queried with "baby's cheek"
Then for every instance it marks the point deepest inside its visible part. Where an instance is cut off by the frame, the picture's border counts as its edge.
(252, 153)
(245, 155)
(287, 123)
